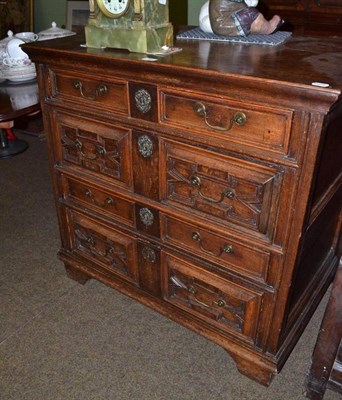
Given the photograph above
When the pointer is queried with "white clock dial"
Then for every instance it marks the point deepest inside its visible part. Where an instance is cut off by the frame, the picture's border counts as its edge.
(113, 8)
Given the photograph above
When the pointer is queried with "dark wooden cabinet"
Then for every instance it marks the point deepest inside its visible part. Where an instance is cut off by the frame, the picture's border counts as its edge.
(326, 368)
(205, 184)
(323, 17)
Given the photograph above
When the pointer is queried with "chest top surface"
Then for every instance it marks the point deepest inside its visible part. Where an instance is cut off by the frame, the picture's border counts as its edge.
(299, 62)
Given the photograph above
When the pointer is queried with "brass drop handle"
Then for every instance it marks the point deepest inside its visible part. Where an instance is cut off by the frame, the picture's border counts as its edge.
(79, 147)
(192, 290)
(82, 236)
(100, 90)
(226, 248)
(239, 118)
(107, 202)
(196, 182)
(99, 150)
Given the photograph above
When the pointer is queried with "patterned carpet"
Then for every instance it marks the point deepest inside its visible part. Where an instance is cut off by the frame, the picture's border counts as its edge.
(60, 340)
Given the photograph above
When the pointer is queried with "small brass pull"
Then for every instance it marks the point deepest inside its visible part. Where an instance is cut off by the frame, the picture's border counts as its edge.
(107, 202)
(191, 289)
(100, 90)
(196, 182)
(220, 303)
(239, 118)
(226, 248)
(196, 236)
(101, 150)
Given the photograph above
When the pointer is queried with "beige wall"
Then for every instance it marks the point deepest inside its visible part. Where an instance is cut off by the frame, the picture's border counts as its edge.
(194, 7)
(47, 11)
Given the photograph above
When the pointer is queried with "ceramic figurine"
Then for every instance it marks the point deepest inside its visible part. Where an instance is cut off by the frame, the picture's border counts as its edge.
(236, 18)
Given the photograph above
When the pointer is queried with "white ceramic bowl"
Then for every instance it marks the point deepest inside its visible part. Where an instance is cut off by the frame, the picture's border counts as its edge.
(13, 49)
(19, 73)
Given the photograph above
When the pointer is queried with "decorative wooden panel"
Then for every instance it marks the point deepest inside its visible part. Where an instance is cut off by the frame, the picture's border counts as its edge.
(94, 146)
(229, 306)
(227, 189)
(112, 250)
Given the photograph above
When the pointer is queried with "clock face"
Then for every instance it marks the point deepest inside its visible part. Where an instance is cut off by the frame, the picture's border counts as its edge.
(113, 8)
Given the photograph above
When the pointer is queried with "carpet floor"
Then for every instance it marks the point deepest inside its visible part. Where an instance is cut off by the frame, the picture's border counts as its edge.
(63, 341)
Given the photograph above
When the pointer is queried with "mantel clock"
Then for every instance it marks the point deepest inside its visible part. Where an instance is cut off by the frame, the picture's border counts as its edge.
(136, 25)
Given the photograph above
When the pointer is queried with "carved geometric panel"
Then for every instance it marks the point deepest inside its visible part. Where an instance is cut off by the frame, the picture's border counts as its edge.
(229, 306)
(113, 250)
(222, 187)
(95, 146)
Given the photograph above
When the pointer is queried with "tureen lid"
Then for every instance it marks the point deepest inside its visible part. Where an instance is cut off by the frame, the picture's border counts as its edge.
(54, 32)
(4, 41)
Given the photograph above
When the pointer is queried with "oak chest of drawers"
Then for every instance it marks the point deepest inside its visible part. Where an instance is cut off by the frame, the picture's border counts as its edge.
(205, 184)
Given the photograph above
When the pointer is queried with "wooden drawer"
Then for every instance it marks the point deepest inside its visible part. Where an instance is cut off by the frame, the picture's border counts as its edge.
(224, 304)
(93, 147)
(93, 91)
(222, 188)
(99, 200)
(222, 250)
(110, 250)
(248, 124)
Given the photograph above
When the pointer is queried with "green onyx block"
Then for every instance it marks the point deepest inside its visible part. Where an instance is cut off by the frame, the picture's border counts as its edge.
(143, 39)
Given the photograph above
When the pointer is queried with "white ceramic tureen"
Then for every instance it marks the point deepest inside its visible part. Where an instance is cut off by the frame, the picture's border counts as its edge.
(54, 33)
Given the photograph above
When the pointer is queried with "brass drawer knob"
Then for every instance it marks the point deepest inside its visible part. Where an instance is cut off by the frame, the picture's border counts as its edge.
(220, 303)
(240, 118)
(228, 248)
(191, 289)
